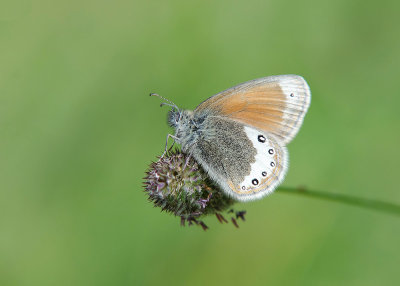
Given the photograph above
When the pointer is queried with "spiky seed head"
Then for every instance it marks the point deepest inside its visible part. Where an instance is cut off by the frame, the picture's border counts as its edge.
(177, 184)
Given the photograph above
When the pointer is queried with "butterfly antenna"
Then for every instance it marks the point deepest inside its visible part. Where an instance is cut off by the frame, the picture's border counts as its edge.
(168, 102)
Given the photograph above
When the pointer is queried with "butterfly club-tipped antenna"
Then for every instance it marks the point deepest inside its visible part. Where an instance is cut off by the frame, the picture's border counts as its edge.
(167, 101)
(174, 106)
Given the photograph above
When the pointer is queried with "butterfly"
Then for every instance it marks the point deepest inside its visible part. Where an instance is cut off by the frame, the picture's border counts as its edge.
(239, 135)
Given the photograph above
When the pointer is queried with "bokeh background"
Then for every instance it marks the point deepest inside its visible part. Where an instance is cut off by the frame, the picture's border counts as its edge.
(78, 130)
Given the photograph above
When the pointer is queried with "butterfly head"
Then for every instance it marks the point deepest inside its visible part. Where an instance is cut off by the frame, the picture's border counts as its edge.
(174, 117)
(187, 126)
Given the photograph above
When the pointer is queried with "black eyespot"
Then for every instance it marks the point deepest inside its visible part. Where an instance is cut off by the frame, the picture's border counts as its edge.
(264, 173)
(271, 151)
(261, 138)
(272, 164)
(255, 182)
(292, 95)
(243, 187)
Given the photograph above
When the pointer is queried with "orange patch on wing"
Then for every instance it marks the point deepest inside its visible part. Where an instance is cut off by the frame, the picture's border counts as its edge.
(254, 108)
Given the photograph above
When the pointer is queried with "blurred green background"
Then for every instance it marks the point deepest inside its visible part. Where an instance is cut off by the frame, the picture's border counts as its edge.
(78, 130)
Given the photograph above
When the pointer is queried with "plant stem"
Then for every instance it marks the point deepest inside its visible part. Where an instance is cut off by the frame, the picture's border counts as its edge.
(345, 199)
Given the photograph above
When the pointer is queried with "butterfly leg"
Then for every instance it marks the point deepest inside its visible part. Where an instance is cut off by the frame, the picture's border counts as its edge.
(166, 144)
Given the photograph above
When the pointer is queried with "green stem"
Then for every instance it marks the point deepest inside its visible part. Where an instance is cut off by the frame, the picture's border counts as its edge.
(345, 199)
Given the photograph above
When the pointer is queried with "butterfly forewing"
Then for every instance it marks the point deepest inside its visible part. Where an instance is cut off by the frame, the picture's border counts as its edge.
(275, 104)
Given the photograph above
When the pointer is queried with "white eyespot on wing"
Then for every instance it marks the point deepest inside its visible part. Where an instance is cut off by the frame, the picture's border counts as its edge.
(268, 170)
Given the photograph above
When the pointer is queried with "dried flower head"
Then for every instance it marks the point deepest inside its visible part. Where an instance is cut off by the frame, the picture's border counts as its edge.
(178, 184)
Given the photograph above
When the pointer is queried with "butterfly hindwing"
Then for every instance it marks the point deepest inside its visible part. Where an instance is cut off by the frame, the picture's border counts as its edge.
(275, 104)
(245, 162)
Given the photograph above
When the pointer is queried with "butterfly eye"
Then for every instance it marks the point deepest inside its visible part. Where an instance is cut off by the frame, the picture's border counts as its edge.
(261, 138)
(292, 95)
(255, 182)
(173, 118)
(271, 151)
